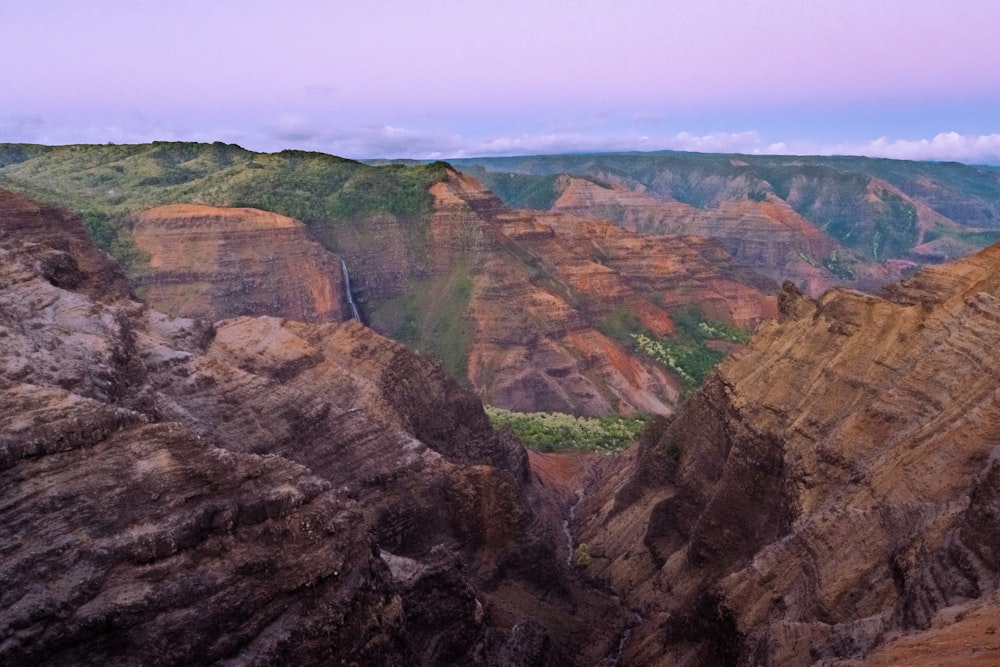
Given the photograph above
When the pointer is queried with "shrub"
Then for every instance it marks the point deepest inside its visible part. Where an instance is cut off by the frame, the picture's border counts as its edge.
(687, 354)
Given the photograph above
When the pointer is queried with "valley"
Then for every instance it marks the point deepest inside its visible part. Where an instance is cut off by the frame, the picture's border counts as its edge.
(280, 421)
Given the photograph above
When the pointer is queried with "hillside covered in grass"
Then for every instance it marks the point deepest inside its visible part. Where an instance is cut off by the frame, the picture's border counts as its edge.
(106, 183)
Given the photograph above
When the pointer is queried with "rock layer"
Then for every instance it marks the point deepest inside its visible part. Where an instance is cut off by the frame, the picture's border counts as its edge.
(764, 233)
(214, 263)
(530, 295)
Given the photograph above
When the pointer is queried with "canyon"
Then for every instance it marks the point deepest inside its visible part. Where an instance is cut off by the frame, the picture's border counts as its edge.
(204, 457)
(533, 311)
(829, 495)
(256, 490)
(818, 221)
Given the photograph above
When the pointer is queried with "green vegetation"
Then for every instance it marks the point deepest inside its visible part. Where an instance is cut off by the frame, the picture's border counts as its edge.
(555, 432)
(692, 324)
(107, 183)
(842, 269)
(581, 556)
(432, 318)
(620, 325)
(691, 362)
(688, 355)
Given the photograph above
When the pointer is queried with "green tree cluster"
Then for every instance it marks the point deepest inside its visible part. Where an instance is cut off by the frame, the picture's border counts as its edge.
(555, 432)
(688, 354)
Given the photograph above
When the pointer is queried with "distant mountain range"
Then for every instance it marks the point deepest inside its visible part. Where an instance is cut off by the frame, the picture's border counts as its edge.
(878, 208)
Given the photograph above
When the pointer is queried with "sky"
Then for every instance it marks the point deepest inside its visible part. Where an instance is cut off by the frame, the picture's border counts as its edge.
(914, 79)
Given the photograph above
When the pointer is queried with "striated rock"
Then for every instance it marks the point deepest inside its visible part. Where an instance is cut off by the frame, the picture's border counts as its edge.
(533, 312)
(765, 232)
(139, 543)
(828, 494)
(892, 212)
(515, 303)
(58, 246)
(214, 263)
(566, 277)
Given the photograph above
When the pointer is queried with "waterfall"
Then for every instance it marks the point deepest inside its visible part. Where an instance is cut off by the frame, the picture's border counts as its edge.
(347, 288)
(567, 530)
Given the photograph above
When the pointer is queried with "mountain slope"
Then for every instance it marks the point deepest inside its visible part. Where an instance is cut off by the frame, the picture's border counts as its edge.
(204, 261)
(832, 487)
(762, 232)
(531, 297)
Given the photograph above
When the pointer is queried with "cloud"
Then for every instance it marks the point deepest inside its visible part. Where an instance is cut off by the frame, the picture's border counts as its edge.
(394, 141)
(981, 148)
(717, 142)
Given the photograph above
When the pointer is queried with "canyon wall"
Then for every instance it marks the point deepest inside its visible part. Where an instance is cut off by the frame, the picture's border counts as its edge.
(830, 494)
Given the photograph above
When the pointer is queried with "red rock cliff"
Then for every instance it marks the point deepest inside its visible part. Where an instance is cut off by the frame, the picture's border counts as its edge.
(219, 262)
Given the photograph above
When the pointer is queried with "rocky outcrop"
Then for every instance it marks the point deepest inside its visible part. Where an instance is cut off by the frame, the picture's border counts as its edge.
(139, 543)
(260, 490)
(59, 248)
(210, 262)
(830, 494)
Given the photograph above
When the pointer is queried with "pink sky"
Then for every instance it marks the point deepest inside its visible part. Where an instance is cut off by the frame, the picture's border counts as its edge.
(440, 77)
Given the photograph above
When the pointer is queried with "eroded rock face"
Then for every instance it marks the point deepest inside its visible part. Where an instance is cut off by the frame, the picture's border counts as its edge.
(178, 492)
(211, 262)
(830, 488)
(60, 251)
(764, 233)
(544, 285)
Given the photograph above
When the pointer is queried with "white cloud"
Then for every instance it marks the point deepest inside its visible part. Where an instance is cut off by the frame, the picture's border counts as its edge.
(944, 146)
(717, 142)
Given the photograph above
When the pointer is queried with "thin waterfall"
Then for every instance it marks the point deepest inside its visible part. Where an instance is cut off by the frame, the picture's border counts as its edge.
(567, 527)
(347, 288)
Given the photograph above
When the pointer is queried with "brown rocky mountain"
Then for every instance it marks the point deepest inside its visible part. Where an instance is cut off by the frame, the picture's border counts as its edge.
(257, 490)
(544, 285)
(830, 496)
(890, 213)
